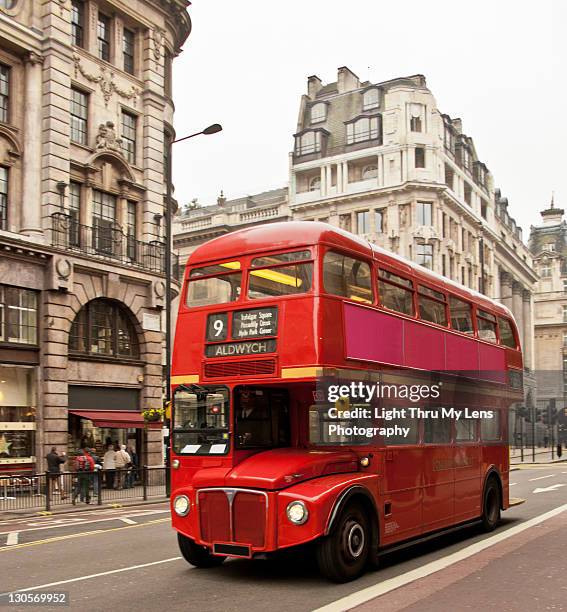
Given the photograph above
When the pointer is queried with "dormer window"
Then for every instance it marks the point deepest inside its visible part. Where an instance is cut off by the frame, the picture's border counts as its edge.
(309, 142)
(363, 129)
(318, 113)
(370, 99)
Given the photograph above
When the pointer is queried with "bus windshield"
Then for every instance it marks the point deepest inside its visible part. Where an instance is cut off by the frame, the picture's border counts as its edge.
(200, 420)
(216, 284)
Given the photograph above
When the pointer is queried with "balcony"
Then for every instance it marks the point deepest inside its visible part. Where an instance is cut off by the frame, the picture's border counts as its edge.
(107, 241)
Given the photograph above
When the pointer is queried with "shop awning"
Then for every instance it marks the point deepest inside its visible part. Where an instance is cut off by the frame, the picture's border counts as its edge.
(114, 419)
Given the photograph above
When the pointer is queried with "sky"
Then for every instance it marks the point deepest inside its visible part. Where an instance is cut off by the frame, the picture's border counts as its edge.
(501, 66)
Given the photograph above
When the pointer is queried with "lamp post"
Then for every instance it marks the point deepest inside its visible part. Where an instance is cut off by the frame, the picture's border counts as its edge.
(211, 129)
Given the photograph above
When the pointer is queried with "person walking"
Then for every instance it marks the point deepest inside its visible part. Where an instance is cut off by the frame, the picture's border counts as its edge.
(109, 465)
(97, 475)
(123, 462)
(84, 466)
(133, 472)
(54, 462)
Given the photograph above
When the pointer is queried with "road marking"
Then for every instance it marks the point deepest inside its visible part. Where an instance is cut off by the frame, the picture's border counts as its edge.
(512, 484)
(12, 538)
(128, 521)
(80, 578)
(356, 599)
(78, 535)
(542, 477)
(547, 489)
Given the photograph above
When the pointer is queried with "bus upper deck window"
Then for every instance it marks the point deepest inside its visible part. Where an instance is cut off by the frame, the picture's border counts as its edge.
(347, 277)
(215, 284)
(280, 274)
(431, 305)
(461, 315)
(396, 292)
(486, 326)
(506, 333)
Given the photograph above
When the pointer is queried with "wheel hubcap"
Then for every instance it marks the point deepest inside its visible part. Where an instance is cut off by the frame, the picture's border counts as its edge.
(355, 540)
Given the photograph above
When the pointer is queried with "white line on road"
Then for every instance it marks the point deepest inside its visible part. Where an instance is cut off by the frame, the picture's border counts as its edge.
(80, 578)
(512, 484)
(12, 538)
(542, 477)
(356, 599)
(128, 521)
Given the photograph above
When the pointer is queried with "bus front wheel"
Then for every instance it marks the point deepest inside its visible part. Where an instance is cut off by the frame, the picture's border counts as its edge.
(491, 505)
(197, 555)
(342, 554)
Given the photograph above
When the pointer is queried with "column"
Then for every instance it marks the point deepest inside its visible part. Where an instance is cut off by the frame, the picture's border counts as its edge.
(339, 177)
(323, 180)
(345, 176)
(517, 308)
(329, 178)
(528, 329)
(506, 289)
(31, 162)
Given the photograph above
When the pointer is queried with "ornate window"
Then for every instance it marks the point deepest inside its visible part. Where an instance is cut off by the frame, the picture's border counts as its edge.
(364, 128)
(79, 116)
(4, 174)
(104, 222)
(77, 23)
(103, 37)
(318, 112)
(129, 136)
(4, 92)
(18, 315)
(104, 328)
(370, 99)
(128, 46)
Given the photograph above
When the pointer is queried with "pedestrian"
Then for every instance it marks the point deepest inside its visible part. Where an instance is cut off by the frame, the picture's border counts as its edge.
(109, 465)
(54, 462)
(84, 466)
(123, 462)
(133, 472)
(97, 474)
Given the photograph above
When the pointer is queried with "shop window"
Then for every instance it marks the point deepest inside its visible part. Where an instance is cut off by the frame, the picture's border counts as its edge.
(18, 315)
(103, 328)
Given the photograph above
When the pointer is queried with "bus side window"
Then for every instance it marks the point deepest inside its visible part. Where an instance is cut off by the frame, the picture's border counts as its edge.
(506, 333)
(490, 428)
(396, 292)
(437, 431)
(486, 326)
(461, 315)
(347, 277)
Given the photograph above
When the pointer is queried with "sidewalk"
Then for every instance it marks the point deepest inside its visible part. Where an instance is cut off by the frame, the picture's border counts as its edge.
(542, 455)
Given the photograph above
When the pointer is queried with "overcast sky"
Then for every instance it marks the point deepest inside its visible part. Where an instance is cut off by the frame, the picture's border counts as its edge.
(501, 66)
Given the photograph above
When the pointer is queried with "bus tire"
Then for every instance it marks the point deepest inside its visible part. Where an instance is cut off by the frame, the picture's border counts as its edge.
(343, 554)
(491, 505)
(196, 555)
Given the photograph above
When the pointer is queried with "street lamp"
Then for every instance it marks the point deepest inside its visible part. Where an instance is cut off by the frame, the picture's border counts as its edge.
(211, 129)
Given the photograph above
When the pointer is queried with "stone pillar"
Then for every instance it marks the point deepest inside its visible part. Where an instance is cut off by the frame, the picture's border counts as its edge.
(329, 178)
(323, 187)
(31, 188)
(345, 176)
(528, 329)
(517, 308)
(339, 177)
(506, 289)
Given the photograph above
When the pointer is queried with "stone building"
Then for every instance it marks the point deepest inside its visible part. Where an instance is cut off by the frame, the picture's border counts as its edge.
(381, 160)
(548, 244)
(85, 117)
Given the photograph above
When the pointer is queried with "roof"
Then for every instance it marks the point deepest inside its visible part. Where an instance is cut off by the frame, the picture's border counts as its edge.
(294, 234)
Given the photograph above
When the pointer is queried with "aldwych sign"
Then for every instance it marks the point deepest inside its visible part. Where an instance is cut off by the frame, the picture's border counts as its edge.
(231, 349)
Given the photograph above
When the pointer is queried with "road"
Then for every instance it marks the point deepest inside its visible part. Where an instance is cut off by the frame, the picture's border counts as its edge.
(127, 559)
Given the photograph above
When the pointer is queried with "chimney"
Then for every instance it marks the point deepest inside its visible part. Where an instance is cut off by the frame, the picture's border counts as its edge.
(313, 86)
(221, 200)
(347, 80)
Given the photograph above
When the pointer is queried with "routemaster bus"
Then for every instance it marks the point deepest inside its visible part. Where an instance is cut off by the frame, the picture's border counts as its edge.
(269, 317)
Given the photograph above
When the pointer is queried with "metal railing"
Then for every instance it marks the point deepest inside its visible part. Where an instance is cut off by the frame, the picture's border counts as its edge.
(45, 491)
(106, 240)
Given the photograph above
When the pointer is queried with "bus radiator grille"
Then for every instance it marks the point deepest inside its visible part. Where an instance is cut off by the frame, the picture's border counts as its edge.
(252, 367)
(246, 509)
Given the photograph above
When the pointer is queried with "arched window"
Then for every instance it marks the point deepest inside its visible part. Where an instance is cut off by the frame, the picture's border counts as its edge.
(315, 183)
(370, 99)
(318, 112)
(369, 172)
(103, 328)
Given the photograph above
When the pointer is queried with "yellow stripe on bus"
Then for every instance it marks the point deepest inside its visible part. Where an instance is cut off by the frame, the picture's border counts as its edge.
(300, 372)
(186, 378)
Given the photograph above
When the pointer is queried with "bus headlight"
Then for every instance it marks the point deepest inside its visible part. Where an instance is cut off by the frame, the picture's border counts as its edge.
(297, 512)
(181, 505)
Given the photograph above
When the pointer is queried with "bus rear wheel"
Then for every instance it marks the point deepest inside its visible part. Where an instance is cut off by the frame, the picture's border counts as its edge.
(491, 505)
(342, 555)
(196, 555)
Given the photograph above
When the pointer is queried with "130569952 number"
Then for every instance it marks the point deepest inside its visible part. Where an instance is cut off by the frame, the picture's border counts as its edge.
(35, 598)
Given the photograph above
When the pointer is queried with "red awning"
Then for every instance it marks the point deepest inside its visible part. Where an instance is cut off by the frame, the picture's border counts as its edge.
(116, 419)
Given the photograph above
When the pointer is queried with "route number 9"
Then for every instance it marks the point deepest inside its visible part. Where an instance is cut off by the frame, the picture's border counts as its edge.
(217, 327)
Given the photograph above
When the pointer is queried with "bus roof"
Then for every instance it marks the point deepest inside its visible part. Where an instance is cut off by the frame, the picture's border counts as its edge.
(296, 234)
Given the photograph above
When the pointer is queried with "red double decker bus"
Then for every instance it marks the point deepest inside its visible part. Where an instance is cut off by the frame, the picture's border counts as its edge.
(263, 458)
